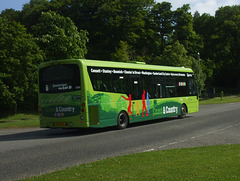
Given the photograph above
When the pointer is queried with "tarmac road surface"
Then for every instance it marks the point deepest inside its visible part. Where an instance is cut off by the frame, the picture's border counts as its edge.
(34, 151)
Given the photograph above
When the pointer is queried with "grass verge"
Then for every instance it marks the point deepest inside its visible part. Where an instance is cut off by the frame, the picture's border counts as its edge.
(20, 121)
(202, 163)
(218, 100)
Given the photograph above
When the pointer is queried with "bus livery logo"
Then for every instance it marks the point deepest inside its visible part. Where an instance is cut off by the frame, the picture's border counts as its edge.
(170, 110)
(60, 111)
(65, 109)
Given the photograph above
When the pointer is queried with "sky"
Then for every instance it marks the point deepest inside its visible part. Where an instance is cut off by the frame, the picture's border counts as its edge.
(202, 6)
(14, 4)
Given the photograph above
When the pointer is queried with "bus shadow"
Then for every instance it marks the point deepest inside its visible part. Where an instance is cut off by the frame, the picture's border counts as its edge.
(51, 134)
(65, 133)
(155, 121)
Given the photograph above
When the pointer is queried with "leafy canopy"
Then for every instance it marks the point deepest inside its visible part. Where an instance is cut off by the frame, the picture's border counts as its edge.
(19, 57)
(59, 38)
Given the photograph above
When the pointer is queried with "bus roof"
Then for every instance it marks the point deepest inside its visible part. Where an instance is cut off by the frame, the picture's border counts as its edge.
(129, 65)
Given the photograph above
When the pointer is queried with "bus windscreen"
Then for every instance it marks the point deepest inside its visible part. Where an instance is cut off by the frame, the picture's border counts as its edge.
(59, 78)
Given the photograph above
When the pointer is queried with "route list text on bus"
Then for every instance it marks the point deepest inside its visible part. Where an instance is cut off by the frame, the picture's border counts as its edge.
(139, 72)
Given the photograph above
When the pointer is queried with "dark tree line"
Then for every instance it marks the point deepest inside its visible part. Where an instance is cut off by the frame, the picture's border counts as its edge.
(118, 30)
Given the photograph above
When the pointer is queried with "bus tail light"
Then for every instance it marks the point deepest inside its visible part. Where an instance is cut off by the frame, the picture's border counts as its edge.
(83, 107)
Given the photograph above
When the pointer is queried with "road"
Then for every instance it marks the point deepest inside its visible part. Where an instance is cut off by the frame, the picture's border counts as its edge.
(34, 151)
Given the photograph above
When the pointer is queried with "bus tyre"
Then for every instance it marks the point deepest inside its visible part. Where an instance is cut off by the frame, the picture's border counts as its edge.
(183, 111)
(122, 120)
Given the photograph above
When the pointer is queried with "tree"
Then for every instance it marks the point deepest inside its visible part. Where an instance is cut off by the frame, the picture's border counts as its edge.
(19, 59)
(110, 22)
(11, 15)
(198, 69)
(162, 20)
(122, 53)
(59, 38)
(227, 41)
(32, 11)
(183, 30)
(205, 26)
(174, 55)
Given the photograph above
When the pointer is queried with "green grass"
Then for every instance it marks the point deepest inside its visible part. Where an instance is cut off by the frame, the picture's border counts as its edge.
(20, 121)
(218, 100)
(203, 163)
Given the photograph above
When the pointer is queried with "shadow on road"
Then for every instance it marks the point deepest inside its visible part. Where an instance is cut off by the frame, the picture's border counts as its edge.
(29, 134)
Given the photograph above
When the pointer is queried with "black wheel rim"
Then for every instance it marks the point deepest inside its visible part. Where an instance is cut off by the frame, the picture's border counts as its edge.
(184, 111)
(122, 119)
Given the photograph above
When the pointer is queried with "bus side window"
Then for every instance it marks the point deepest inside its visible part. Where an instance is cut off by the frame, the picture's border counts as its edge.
(170, 88)
(170, 91)
(135, 87)
(157, 87)
(146, 84)
(120, 84)
(159, 90)
(101, 83)
(103, 87)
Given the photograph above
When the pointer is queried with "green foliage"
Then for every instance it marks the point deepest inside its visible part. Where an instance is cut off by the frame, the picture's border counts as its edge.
(227, 49)
(32, 11)
(19, 58)
(221, 38)
(122, 30)
(162, 22)
(119, 21)
(11, 15)
(197, 66)
(174, 55)
(183, 30)
(59, 38)
(122, 53)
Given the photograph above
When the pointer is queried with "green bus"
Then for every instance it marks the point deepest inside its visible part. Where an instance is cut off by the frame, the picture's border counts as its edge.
(79, 93)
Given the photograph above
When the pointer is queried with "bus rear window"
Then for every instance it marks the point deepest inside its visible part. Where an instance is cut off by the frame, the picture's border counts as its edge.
(59, 78)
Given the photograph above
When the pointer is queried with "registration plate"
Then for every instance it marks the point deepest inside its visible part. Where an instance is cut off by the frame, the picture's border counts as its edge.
(60, 124)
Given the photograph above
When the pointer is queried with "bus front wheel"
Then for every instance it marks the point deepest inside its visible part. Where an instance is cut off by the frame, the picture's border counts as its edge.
(122, 120)
(183, 111)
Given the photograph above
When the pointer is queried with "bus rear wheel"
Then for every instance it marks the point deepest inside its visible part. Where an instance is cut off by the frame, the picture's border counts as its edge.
(122, 120)
(183, 111)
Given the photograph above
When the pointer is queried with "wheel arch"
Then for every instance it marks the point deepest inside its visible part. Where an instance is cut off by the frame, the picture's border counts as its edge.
(185, 106)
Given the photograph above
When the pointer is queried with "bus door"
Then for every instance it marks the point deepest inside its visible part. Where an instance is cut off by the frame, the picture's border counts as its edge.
(193, 99)
(156, 94)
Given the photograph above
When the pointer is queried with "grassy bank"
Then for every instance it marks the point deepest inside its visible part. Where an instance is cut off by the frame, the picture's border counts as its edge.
(203, 163)
(20, 121)
(219, 100)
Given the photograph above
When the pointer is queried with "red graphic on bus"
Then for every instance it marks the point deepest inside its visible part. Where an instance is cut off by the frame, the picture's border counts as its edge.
(144, 104)
(130, 103)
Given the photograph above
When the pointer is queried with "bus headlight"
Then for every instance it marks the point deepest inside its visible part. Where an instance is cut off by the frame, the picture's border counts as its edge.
(81, 117)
